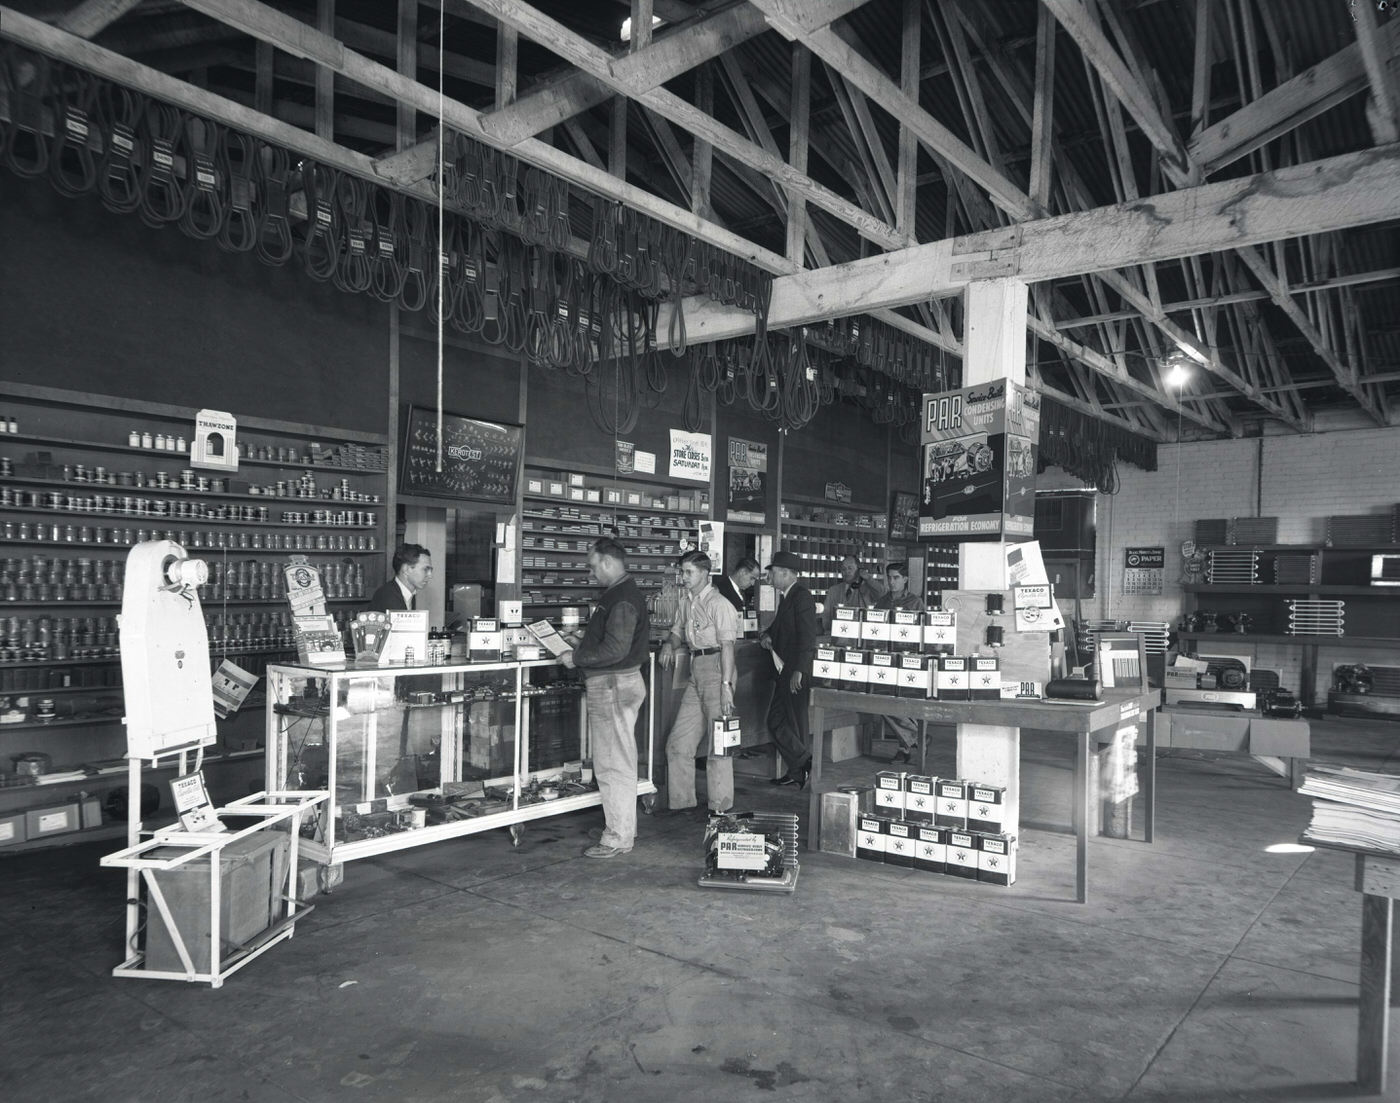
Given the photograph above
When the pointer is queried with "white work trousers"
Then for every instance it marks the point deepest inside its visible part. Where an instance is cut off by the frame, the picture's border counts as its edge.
(700, 707)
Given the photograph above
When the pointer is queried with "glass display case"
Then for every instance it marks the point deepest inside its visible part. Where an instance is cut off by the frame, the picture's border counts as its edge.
(416, 754)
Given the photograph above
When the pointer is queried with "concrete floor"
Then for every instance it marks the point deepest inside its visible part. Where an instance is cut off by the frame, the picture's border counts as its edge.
(1202, 968)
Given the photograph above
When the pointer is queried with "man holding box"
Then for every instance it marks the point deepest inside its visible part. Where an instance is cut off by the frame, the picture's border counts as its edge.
(707, 624)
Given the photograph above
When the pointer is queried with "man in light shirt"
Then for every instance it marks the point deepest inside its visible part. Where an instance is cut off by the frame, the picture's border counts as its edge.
(708, 625)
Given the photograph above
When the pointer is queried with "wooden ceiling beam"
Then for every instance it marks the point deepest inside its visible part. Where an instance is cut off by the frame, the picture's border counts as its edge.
(844, 58)
(1288, 106)
(1202, 302)
(1382, 111)
(1337, 193)
(1079, 21)
(93, 16)
(577, 50)
(1348, 375)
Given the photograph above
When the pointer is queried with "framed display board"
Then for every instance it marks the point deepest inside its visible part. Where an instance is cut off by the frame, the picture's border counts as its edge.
(904, 517)
(480, 459)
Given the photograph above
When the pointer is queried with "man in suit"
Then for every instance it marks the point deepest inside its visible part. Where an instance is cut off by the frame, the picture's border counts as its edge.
(413, 566)
(792, 637)
(733, 585)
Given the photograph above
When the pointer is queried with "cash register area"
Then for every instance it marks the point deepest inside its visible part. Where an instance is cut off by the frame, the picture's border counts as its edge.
(1219, 963)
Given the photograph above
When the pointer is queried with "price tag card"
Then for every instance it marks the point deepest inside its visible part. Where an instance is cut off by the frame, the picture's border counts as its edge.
(192, 804)
(742, 850)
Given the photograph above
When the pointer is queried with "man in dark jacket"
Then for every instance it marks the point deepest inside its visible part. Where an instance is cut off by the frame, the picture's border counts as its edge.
(611, 655)
(792, 638)
(413, 565)
(733, 585)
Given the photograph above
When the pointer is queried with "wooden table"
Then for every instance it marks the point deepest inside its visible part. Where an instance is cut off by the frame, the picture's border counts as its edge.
(1077, 720)
(1378, 881)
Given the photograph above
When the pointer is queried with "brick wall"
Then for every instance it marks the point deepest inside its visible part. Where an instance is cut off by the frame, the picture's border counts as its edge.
(1299, 479)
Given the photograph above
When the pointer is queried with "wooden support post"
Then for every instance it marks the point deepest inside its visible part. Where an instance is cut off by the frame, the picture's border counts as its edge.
(996, 350)
(797, 150)
(1373, 1027)
(325, 78)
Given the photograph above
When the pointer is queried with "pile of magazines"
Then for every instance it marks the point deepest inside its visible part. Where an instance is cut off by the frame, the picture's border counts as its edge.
(1354, 808)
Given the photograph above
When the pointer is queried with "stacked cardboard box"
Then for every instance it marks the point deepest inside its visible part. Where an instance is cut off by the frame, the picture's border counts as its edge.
(938, 825)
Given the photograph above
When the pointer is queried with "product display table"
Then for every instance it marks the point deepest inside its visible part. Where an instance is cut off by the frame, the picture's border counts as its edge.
(1378, 881)
(1075, 719)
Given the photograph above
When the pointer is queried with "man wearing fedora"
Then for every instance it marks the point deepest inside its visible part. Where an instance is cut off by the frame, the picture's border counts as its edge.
(792, 638)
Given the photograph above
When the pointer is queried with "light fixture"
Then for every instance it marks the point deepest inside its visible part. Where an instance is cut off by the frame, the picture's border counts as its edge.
(656, 21)
(1177, 367)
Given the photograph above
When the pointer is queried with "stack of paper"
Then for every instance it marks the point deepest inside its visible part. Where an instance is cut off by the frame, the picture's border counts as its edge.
(1355, 808)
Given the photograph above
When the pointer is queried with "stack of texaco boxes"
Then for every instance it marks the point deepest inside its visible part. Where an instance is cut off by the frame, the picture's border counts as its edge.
(895, 652)
(938, 825)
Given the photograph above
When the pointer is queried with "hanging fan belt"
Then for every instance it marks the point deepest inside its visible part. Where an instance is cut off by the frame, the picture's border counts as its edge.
(118, 182)
(72, 166)
(237, 154)
(274, 231)
(206, 188)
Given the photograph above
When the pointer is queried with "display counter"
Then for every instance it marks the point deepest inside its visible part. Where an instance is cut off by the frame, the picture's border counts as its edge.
(416, 754)
(1079, 721)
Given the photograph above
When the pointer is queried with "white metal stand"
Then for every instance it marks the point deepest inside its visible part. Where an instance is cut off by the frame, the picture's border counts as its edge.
(280, 810)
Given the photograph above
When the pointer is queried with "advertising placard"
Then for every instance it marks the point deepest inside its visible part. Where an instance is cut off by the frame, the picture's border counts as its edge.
(748, 481)
(979, 458)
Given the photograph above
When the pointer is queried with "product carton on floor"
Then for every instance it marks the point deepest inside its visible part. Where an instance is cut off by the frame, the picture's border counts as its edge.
(951, 810)
(870, 838)
(986, 808)
(919, 798)
(889, 793)
(899, 844)
(931, 849)
(996, 859)
(962, 855)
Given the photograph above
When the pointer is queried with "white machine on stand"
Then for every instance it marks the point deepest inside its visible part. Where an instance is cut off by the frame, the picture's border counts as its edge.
(193, 932)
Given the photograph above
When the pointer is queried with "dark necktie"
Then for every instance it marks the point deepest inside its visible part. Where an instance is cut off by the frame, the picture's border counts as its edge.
(413, 602)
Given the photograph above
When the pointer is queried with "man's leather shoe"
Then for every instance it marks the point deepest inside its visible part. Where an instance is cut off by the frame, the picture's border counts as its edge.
(786, 779)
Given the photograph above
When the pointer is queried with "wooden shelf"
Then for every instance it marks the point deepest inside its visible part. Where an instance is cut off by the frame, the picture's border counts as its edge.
(184, 457)
(171, 520)
(1294, 641)
(1299, 588)
(180, 492)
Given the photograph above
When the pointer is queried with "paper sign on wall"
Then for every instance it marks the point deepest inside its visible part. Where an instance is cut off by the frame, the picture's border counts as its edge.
(690, 455)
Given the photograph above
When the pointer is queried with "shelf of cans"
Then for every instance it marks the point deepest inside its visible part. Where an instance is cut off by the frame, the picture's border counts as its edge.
(901, 653)
(938, 825)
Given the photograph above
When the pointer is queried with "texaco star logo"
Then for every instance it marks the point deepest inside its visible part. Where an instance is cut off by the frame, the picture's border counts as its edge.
(951, 806)
(982, 811)
(899, 845)
(992, 863)
(918, 802)
(962, 855)
(986, 679)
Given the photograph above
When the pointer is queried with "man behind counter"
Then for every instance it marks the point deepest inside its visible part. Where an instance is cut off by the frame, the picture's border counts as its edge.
(853, 589)
(733, 585)
(413, 566)
(611, 655)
